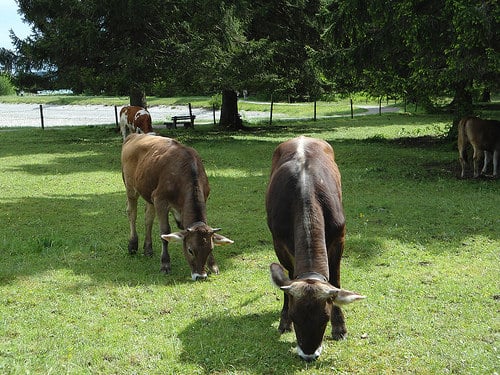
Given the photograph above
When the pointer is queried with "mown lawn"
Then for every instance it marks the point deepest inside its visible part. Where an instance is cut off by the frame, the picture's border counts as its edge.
(422, 244)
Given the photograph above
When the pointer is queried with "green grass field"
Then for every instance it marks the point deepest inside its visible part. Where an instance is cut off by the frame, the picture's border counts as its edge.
(422, 245)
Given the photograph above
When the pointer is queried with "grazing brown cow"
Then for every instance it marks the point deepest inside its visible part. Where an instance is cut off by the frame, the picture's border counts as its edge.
(484, 136)
(135, 119)
(170, 177)
(306, 219)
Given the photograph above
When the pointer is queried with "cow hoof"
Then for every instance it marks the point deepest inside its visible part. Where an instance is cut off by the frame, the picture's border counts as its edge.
(132, 246)
(339, 334)
(285, 327)
(166, 269)
(148, 249)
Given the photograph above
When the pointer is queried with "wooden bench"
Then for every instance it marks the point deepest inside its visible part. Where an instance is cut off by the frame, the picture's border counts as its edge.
(182, 118)
(187, 124)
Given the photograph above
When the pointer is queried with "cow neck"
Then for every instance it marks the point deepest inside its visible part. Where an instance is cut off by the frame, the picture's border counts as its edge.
(194, 209)
(311, 256)
(312, 275)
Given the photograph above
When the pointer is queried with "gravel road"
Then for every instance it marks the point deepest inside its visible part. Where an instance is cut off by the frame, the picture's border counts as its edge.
(28, 115)
(24, 115)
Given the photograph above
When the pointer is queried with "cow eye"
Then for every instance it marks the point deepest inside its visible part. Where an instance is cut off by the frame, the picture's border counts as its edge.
(190, 251)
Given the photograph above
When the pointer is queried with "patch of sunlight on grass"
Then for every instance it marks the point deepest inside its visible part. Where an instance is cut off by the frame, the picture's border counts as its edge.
(233, 173)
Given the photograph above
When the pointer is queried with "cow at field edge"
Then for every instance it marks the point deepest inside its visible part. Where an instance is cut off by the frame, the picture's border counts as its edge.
(306, 219)
(135, 119)
(484, 136)
(170, 177)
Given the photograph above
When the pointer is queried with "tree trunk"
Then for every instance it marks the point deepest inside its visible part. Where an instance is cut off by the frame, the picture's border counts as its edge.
(138, 97)
(462, 103)
(229, 117)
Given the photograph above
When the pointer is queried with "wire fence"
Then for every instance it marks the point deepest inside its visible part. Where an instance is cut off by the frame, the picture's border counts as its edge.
(47, 115)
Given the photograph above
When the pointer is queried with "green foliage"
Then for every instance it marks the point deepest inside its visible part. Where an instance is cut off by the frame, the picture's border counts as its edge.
(413, 49)
(6, 86)
(421, 244)
(216, 101)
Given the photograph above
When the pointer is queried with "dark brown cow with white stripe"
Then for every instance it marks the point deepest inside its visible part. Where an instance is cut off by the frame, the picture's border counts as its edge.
(135, 119)
(306, 219)
(170, 177)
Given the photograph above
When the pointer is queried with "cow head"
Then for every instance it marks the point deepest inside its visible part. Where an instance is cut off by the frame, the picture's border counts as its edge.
(309, 308)
(198, 242)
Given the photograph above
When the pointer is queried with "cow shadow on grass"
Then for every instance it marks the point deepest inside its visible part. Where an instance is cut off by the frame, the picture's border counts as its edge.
(223, 342)
(87, 234)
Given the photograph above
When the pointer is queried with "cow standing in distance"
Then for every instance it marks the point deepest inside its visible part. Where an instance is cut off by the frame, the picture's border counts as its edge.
(135, 119)
(170, 177)
(484, 136)
(306, 219)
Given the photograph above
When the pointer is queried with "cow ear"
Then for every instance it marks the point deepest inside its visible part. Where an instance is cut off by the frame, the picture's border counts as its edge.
(173, 237)
(221, 240)
(278, 276)
(344, 297)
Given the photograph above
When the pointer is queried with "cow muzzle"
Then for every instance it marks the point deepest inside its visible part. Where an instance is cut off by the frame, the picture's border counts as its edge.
(196, 276)
(309, 357)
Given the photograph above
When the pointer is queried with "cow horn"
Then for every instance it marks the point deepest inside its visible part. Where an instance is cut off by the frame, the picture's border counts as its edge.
(293, 289)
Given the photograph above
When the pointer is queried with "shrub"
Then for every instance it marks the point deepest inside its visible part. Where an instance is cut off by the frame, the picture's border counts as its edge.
(216, 101)
(6, 86)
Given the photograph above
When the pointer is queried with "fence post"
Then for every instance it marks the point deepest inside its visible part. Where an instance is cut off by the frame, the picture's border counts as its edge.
(314, 109)
(191, 115)
(271, 113)
(213, 111)
(41, 117)
(116, 116)
(380, 106)
(352, 109)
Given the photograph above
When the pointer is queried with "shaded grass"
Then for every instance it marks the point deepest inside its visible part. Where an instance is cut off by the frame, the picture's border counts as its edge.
(421, 243)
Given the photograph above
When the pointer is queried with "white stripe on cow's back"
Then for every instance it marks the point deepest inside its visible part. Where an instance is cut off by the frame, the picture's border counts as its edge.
(140, 113)
(304, 187)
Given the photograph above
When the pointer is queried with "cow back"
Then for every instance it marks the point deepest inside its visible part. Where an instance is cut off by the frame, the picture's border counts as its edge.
(160, 166)
(485, 134)
(304, 204)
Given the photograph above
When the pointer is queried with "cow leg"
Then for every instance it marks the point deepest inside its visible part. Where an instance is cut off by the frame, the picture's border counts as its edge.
(496, 156)
(339, 329)
(463, 162)
(123, 129)
(285, 321)
(478, 154)
(149, 219)
(487, 158)
(132, 218)
(162, 210)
